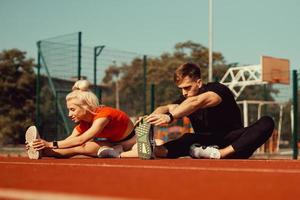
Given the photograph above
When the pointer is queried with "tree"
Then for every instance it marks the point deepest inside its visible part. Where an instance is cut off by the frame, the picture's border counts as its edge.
(159, 72)
(17, 93)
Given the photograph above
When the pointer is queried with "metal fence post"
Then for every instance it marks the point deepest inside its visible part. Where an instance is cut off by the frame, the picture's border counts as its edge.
(145, 83)
(97, 52)
(152, 97)
(79, 56)
(38, 86)
(295, 112)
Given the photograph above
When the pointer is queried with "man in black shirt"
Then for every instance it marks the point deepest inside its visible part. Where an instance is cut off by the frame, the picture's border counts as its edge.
(215, 118)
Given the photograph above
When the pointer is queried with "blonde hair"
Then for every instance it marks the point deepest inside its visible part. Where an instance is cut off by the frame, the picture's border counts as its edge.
(83, 96)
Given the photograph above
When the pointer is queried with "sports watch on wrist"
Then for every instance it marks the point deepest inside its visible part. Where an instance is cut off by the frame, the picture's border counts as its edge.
(55, 144)
(171, 117)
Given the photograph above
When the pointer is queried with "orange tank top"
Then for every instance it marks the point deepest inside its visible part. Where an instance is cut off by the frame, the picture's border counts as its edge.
(115, 129)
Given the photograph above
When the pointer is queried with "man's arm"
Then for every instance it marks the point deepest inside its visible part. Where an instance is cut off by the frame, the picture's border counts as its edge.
(188, 106)
(191, 104)
(164, 109)
(161, 110)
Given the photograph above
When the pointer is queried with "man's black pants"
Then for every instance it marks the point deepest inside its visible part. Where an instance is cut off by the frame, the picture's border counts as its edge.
(244, 141)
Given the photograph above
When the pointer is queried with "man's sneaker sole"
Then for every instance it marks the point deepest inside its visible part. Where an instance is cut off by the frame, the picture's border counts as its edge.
(145, 141)
(30, 135)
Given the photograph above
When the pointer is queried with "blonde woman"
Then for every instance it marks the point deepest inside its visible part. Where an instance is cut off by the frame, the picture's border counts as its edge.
(94, 122)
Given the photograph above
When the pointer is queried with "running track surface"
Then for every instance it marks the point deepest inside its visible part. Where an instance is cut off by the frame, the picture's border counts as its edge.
(149, 179)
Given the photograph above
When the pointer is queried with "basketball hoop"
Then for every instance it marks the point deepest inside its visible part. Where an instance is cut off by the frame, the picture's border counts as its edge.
(275, 70)
(275, 80)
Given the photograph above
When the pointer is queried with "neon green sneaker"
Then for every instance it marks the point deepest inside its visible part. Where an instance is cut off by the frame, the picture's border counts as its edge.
(145, 139)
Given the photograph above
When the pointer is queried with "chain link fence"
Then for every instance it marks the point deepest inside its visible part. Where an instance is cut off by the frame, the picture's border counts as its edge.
(62, 60)
(134, 83)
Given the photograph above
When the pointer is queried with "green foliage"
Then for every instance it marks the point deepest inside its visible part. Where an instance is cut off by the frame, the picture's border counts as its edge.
(130, 86)
(48, 111)
(17, 93)
(51, 123)
(159, 72)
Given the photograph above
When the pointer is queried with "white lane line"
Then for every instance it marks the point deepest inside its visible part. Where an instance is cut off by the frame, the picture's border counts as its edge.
(213, 169)
(34, 195)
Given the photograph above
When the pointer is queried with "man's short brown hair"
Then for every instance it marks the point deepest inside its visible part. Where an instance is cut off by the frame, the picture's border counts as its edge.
(187, 69)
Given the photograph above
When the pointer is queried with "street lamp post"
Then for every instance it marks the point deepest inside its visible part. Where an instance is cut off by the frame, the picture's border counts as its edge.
(117, 93)
(210, 40)
(117, 86)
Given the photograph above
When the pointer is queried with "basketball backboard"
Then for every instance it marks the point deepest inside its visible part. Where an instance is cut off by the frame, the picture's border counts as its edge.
(275, 70)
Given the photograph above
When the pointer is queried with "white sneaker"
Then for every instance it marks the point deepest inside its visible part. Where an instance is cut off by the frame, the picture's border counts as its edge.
(109, 152)
(31, 135)
(211, 152)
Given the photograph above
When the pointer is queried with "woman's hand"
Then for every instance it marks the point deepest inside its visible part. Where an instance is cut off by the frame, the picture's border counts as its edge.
(39, 144)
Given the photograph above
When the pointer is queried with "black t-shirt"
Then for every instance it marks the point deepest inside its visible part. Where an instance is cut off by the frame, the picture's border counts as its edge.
(218, 120)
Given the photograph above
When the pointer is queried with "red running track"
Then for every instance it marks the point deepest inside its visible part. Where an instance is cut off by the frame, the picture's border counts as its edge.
(155, 179)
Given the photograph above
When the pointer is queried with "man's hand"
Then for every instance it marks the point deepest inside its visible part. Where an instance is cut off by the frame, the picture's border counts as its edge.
(158, 119)
(138, 120)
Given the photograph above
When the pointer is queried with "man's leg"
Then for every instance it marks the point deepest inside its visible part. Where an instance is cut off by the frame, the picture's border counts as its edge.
(181, 146)
(241, 143)
(245, 141)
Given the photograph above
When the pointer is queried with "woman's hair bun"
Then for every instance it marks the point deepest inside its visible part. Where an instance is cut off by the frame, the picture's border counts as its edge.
(82, 85)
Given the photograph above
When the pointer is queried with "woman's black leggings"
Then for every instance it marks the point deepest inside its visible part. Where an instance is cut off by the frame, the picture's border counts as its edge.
(244, 141)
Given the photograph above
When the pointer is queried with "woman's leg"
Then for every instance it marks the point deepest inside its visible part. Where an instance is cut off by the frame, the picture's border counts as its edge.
(130, 148)
(88, 149)
(133, 152)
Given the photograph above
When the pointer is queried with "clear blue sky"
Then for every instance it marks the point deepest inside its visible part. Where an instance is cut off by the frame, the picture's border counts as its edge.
(243, 29)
